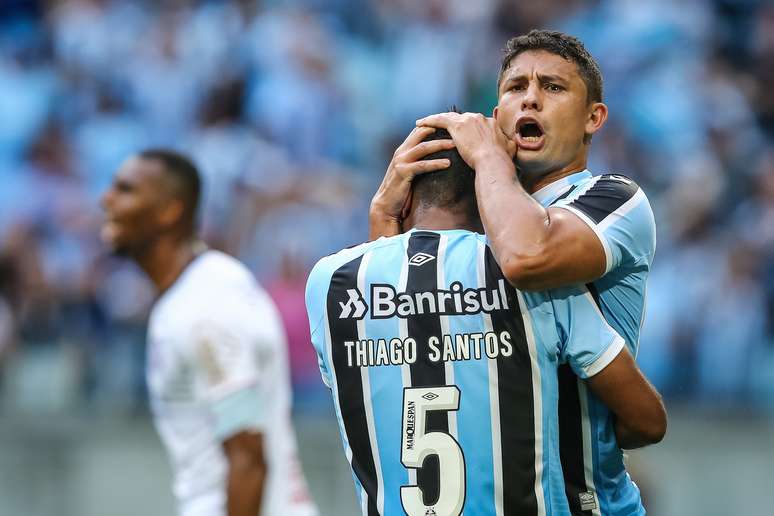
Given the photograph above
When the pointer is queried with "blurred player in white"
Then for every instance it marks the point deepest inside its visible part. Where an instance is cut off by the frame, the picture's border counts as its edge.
(217, 361)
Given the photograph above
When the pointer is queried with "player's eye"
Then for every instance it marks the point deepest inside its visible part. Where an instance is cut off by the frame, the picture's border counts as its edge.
(553, 87)
(123, 187)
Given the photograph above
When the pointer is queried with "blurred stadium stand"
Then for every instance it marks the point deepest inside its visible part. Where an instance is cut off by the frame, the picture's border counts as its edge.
(292, 110)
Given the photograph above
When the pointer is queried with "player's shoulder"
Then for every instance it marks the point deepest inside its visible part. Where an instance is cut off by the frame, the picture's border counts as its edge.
(216, 267)
(327, 265)
(612, 185)
(213, 283)
(619, 185)
(606, 197)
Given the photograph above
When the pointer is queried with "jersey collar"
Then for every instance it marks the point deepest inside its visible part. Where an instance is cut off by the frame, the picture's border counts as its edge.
(553, 190)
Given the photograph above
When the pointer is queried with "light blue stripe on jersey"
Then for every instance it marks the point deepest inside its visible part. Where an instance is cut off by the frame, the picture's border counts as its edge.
(474, 432)
(542, 325)
(383, 267)
(625, 294)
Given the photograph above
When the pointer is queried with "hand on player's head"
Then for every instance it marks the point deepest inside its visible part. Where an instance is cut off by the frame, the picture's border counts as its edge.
(474, 134)
(407, 162)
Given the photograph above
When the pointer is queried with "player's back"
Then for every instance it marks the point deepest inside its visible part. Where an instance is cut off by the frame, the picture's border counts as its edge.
(432, 356)
(213, 336)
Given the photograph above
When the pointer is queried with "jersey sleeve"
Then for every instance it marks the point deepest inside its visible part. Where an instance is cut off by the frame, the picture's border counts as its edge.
(229, 349)
(618, 212)
(316, 290)
(587, 342)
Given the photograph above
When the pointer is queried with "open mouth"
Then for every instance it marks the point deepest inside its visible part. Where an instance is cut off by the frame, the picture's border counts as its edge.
(529, 134)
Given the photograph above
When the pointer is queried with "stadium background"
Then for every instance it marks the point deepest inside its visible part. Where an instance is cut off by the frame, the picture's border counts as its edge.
(292, 110)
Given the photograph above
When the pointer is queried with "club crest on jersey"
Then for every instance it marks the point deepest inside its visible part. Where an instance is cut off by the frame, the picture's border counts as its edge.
(421, 259)
(387, 302)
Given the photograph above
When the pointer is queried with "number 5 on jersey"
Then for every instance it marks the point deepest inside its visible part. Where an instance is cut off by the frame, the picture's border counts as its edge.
(418, 445)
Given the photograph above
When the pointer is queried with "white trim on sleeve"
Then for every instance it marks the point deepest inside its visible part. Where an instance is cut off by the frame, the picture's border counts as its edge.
(590, 223)
(607, 356)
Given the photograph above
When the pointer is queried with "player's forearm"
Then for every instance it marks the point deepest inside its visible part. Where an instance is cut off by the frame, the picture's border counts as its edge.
(246, 480)
(517, 226)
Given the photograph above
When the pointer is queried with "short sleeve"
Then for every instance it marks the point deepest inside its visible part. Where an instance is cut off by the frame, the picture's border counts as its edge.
(224, 356)
(587, 342)
(316, 292)
(229, 349)
(619, 213)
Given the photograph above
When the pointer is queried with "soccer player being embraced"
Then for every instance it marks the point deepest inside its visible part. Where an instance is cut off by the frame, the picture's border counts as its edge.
(550, 222)
(444, 376)
(217, 367)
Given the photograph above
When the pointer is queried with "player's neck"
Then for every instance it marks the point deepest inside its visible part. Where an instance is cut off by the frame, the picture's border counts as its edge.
(166, 259)
(534, 181)
(438, 219)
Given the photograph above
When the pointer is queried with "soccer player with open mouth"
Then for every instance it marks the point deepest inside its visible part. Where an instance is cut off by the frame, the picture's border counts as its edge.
(551, 223)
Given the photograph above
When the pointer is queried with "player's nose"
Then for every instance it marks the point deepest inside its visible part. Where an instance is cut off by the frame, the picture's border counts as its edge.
(531, 99)
(106, 199)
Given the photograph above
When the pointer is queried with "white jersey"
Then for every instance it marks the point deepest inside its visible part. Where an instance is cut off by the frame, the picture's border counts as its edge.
(217, 364)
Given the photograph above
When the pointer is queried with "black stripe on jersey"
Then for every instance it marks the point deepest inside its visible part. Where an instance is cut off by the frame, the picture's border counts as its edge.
(424, 373)
(517, 407)
(349, 383)
(571, 431)
(566, 194)
(571, 439)
(608, 194)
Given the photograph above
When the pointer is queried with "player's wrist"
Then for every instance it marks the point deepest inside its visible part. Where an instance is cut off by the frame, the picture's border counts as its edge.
(493, 160)
(382, 210)
(382, 222)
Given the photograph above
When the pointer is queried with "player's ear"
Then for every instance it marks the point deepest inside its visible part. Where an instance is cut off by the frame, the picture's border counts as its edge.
(172, 212)
(596, 119)
(494, 113)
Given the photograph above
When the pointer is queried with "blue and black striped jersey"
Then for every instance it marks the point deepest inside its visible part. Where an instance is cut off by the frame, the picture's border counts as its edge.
(618, 211)
(444, 377)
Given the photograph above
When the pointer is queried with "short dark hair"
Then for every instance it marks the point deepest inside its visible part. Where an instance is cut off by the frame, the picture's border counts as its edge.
(184, 175)
(452, 187)
(563, 45)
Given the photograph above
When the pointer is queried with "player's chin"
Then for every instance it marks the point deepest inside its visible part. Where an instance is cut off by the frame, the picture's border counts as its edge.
(111, 239)
(530, 159)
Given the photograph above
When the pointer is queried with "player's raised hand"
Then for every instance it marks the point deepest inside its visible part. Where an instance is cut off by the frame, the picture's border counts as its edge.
(385, 216)
(475, 135)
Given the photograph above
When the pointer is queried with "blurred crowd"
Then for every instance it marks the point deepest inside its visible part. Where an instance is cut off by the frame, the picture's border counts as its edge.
(292, 110)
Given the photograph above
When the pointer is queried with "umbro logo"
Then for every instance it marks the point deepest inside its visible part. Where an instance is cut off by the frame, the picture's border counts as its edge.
(588, 501)
(421, 259)
(618, 177)
(355, 306)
